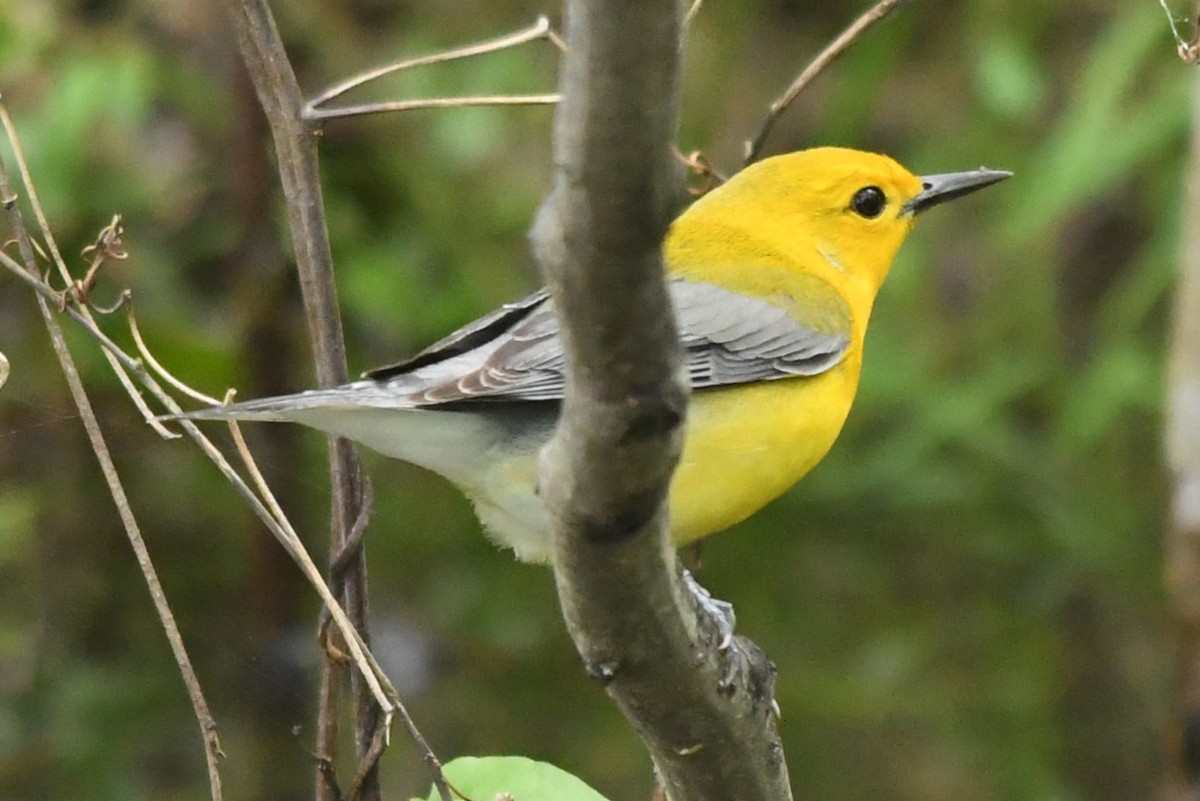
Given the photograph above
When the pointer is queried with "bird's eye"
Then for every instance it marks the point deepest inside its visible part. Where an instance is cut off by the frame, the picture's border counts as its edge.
(869, 202)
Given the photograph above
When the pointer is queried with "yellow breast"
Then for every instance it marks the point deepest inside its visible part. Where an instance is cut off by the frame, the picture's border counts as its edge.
(747, 445)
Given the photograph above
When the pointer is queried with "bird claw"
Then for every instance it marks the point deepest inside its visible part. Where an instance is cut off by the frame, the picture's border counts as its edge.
(735, 657)
(723, 616)
(729, 674)
(720, 611)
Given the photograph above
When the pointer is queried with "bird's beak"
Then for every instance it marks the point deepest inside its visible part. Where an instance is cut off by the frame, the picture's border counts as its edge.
(947, 186)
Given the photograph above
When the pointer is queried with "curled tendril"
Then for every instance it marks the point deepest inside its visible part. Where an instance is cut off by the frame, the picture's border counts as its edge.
(107, 247)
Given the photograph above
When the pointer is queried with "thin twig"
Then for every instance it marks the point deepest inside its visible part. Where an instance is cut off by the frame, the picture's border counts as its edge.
(56, 257)
(366, 765)
(295, 548)
(826, 57)
(540, 29)
(295, 145)
(535, 31)
(367, 664)
(341, 561)
(370, 761)
(432, 102)
(208, 725)
(162, 372)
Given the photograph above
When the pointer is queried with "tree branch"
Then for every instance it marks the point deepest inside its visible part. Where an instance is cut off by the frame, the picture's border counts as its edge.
(703, 713)
(296, 155)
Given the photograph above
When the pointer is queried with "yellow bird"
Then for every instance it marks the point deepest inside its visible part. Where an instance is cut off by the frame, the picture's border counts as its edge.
(772, 278)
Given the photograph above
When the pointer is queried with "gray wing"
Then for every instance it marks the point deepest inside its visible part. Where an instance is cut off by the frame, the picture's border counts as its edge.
(728, 339)
(470, 336)
(515, 354)
(731, 338)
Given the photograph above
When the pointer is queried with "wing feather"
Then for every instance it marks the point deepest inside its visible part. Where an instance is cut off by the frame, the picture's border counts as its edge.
(729, 338)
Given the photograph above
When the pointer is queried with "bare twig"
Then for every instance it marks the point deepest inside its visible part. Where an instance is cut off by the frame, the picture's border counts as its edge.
(276, 524)
(364, 659)
(826, 57)
(540, 29)
(604, 476)
(296, 155)
(271, 517)
(369, 763)
(350, 548)
(370, 760)
(295, 547)
(208, 725)
(56, 257)
(162, 372)
(433, 102)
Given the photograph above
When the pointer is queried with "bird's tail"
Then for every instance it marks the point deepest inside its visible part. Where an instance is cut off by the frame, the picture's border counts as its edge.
(456, 443)
(289, 408)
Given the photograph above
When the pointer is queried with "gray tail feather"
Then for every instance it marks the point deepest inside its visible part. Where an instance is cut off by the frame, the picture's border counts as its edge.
(267, 409)
(234, 411)
(281, 408)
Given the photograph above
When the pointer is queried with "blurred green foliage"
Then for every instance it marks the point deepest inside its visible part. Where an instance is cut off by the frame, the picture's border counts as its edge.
(964, 600)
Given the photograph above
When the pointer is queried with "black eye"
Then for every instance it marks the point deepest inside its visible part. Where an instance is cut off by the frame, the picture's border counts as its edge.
(869, 202)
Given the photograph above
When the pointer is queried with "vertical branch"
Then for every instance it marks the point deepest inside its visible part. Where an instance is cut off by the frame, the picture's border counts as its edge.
(1183, 456)
(296, 155)
(702, 711)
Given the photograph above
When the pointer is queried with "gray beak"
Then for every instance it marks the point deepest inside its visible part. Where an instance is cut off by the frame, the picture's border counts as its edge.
(949, 185)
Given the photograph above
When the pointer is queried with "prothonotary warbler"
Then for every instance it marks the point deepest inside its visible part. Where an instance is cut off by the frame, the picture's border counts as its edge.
(772, 279)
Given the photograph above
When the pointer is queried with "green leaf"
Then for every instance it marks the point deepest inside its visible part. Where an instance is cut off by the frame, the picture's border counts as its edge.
(486, 778)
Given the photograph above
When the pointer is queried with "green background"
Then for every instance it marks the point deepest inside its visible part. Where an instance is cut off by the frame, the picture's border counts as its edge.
(964, 600)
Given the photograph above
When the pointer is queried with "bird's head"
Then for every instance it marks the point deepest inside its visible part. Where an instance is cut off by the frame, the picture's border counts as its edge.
(852, 208)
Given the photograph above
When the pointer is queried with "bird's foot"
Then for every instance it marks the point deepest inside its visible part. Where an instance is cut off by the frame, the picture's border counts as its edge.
(723, 617)
(720, 611)
(737, 655)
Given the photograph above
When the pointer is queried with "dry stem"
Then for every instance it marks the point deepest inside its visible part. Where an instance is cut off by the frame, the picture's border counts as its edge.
(826, 57)
(276, 523)
(208, 726)
(539, 30)
(296, 156)
(280, 528)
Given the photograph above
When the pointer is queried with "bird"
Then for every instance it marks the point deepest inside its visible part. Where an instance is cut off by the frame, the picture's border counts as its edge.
(771, 276)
